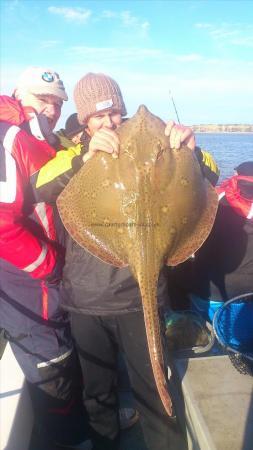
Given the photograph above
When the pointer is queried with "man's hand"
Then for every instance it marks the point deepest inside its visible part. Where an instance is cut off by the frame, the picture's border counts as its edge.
(104, 140)
(179, 134)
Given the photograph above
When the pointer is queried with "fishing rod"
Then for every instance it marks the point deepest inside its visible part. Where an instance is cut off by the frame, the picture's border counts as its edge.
(174, 106)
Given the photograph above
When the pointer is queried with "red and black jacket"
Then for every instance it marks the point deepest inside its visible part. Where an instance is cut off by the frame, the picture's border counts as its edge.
(27, 232)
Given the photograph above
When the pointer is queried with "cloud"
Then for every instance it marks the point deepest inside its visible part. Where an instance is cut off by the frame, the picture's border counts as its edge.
(13, 4)
(107, 14)
(189, 58)
(204, 89)
(203, 25)
(49, 44)
(147, 75)
(121, 55)
(220, 94)
(122, 19)
(80, 15)
(229, 34)
(145, 26)
(127, 20)
(158, 61)
(130, 21)
(127, 55)
(243, 41)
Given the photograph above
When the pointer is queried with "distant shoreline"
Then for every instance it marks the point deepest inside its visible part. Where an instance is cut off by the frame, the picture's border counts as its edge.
(221, 132)
(219, 128)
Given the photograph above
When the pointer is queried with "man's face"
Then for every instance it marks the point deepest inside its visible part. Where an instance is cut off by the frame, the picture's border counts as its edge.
(105, 119)
(47, 105)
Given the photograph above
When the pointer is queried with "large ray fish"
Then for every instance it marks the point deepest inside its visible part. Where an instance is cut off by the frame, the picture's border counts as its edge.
(149, 207)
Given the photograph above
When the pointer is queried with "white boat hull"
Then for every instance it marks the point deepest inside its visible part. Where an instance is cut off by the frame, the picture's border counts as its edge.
(16, 416)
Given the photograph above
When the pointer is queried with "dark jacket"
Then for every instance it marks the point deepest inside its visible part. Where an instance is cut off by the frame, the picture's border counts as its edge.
(224, 265)
(89, 285)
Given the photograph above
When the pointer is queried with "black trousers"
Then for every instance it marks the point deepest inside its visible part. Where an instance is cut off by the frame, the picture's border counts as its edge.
(98, 340)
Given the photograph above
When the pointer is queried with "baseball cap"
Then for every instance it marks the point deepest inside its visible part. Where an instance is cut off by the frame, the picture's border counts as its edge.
(41, 81)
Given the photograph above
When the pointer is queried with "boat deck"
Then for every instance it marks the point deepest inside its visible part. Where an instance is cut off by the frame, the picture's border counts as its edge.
(17, 417)
(216, 406)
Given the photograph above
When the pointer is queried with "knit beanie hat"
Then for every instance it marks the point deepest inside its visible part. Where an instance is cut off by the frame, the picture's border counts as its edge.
(72, 126)
(97, 92)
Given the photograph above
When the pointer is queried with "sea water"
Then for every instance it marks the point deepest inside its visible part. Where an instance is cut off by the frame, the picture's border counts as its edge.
(228, 149)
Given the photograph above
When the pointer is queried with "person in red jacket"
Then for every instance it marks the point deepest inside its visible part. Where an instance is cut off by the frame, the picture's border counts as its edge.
(31, 260)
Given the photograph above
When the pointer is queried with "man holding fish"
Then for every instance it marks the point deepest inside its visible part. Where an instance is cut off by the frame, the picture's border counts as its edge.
(104, 301)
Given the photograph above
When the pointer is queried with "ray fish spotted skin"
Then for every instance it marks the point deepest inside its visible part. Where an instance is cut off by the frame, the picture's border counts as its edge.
(149, 207)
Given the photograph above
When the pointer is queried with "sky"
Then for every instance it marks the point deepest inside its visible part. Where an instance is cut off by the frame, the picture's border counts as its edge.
(200, 53)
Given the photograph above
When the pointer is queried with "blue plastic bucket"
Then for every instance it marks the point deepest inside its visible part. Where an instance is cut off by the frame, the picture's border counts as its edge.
(206, 308)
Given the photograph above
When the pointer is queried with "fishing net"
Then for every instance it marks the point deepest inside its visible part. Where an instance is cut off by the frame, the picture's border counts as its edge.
(233, 327)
